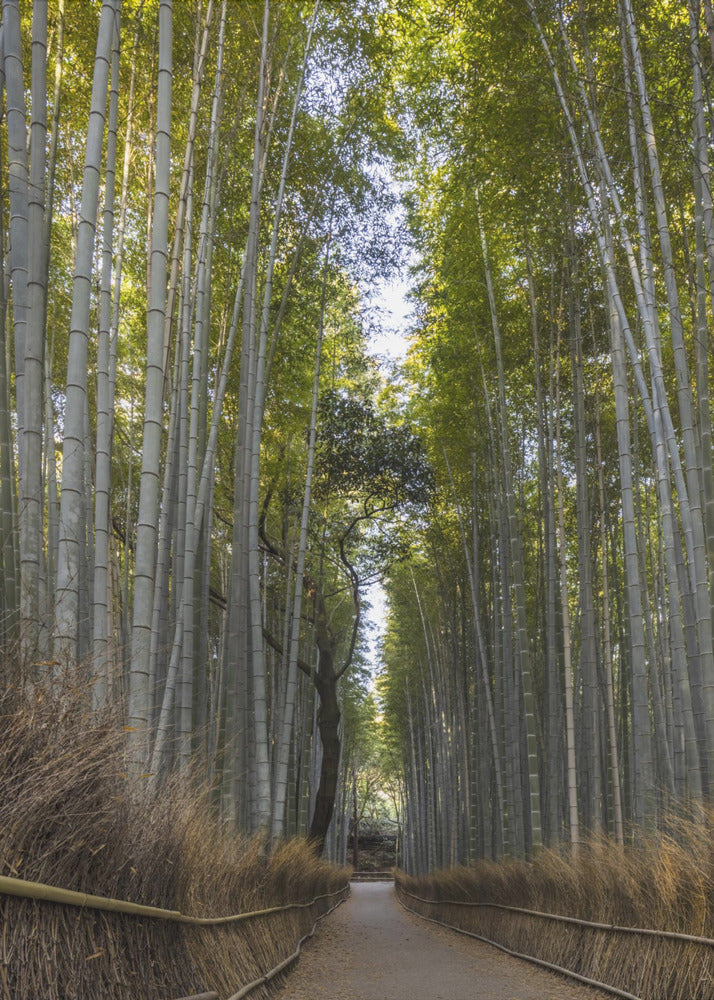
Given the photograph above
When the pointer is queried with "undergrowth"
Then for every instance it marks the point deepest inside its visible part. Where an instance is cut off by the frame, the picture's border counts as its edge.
(69, 818)
(662, 882)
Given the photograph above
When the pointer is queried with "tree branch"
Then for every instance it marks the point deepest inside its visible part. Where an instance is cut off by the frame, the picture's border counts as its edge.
(274, 644)
(358, 613)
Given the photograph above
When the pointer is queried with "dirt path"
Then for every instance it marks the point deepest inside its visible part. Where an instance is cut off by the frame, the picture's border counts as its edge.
(371, 949)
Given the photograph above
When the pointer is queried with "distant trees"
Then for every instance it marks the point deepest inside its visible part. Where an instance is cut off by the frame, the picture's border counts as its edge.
(185, 214)
(559, 373)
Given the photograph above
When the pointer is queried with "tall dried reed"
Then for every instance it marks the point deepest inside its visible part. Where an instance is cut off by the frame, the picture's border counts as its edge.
(69, 818)
(661, 882)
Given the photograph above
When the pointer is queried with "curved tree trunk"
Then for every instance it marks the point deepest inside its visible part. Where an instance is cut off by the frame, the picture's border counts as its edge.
(328, 720)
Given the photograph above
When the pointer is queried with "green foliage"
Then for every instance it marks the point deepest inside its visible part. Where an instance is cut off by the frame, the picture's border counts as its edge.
(377, 478)
(362, 456)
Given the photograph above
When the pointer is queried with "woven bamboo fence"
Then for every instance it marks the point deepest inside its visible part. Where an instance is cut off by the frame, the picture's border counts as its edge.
(252, 947)
(70, 817)
(637, 963)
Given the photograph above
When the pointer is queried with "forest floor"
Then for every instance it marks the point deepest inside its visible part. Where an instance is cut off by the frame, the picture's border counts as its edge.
(372, 949)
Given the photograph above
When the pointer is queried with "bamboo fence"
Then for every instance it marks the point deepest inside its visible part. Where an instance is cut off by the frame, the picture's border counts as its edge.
(665, 964)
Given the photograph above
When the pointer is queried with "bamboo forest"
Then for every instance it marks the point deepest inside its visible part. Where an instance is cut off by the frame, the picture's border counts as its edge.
(319, 550)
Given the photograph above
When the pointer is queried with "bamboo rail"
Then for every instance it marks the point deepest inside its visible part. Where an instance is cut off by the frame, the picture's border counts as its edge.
(38, 890)
(201, 996)
(646, 931)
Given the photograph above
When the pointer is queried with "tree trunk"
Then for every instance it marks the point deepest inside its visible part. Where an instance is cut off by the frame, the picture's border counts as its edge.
(328, 720)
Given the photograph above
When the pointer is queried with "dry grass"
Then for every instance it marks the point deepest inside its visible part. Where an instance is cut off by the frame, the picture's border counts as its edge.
(665, 882)
(67, 819)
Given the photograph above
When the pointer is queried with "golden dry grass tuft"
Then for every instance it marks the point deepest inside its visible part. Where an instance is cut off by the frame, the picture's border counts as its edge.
(67, 818)
(661, 882)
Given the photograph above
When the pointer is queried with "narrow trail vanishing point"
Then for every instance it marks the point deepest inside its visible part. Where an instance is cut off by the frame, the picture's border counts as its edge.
(372, 949)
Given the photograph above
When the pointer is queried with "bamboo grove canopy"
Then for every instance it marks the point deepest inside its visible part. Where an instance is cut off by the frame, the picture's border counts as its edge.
(204, 466)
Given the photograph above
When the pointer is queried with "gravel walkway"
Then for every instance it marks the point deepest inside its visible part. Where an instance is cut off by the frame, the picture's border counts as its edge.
(371, 949)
